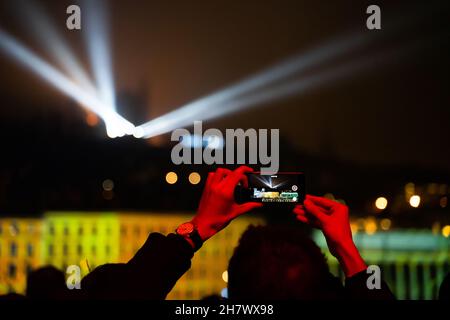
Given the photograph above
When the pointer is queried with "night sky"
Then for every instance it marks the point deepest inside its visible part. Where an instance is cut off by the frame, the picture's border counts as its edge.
(178, 51)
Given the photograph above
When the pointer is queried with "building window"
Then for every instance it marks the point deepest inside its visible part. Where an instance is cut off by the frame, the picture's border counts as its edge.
(13, 249)
(80, 249)
(80, 230)
(12, 270)
(50, 249)
(51, 229)
(14, 228)
(66, 230)
(107, 250)
(94, 230)
(65, 249)
(29, 250)
(137, 231)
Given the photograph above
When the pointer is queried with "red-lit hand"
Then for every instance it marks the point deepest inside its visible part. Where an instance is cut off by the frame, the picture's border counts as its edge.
(332, 218)
(217, 206)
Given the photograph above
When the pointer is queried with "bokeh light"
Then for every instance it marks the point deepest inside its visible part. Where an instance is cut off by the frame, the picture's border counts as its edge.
(194, 178)
(414, 201)
(171, 177)
(381, 203)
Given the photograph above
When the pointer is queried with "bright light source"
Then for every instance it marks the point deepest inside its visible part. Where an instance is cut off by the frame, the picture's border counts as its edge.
(194, 178)
(381, 203)
(446, 231)
(171, 178)
(414, 201)
(225, 276)
(116, 125)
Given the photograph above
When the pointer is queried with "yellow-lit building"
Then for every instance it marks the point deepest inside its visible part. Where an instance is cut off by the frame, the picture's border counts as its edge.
(86, 239)
(89, 239)
(20, 252)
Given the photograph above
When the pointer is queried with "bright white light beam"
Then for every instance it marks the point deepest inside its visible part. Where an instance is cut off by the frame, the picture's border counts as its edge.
(274, 93)
(46, 33)
(199, 108)
(96, 34)
(118, 125)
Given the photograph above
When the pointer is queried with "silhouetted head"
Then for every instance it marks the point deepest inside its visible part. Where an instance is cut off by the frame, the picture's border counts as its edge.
(46, 283)
(279, 263)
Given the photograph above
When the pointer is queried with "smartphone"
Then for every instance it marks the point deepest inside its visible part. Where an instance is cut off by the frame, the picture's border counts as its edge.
(280, 188)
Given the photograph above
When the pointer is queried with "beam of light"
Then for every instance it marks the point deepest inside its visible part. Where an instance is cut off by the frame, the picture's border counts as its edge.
(46, 33)
(300, 86)
(197, 109)
(265, 180)
(274, 93)
(96, 32)
(115, 124)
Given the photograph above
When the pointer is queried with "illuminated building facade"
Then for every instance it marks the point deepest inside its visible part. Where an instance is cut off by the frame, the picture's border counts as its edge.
(91, 239)
(20, 251)
(84, 239)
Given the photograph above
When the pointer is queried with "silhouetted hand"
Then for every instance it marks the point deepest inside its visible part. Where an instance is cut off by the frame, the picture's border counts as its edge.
(217, 206)
(332, 218)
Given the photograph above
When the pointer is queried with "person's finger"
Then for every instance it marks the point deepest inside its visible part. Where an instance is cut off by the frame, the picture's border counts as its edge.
(209, 180)
(323, 202)
(208, 183)
(303, 219)
(234, 177)
(299, 210)
(244, 181)
(314, 210)
(245, 207)
(206, 190)
(220, 174)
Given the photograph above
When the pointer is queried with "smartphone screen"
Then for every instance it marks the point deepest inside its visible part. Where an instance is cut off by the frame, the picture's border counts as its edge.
(283, 187)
